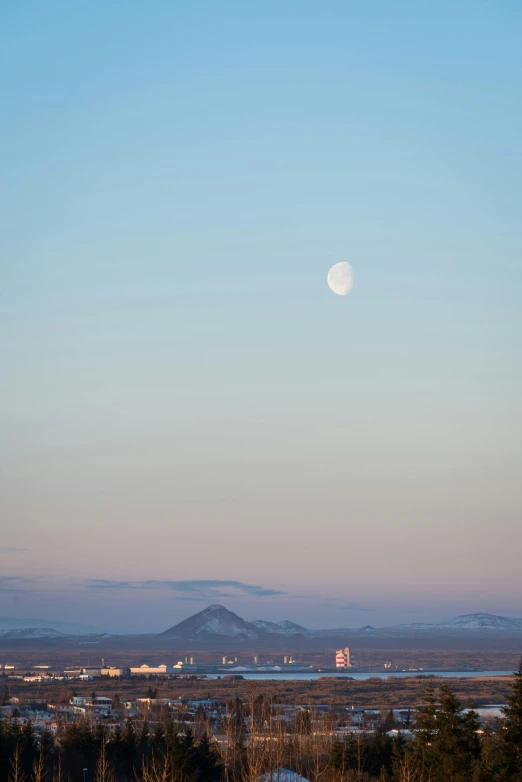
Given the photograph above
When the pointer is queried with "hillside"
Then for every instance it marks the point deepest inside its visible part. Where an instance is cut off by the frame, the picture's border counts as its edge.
(215, 620)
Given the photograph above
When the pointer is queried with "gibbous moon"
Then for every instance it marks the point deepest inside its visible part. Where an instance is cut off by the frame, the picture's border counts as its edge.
(340, 278)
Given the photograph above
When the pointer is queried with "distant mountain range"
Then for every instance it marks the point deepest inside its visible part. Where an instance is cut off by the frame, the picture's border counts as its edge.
(463, 622)
(280, 628)
(66, 628)
(217, 623)
(30, 633)
(481, 621)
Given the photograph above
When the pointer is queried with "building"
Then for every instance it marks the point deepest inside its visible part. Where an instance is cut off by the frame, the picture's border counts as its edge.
(112, 671)
(154, 670)
(72, 673)
(343, 658)
(91, 671)
(165, 669)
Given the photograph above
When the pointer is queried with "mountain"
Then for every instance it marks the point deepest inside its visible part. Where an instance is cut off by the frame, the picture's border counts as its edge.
(331, 632)
(29, 633)
(286, 627)
(214, 621)
(463, 623)
(479, 621)
(482, 622)
(68, 628)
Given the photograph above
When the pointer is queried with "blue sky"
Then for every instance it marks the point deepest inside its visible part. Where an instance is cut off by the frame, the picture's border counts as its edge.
(182, 398)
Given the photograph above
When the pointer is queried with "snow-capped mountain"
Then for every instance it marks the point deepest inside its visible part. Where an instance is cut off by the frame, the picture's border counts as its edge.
(215, 620)
(289, 627)
(481, 622)
(30, 633)
(285, 627)
(66, 628)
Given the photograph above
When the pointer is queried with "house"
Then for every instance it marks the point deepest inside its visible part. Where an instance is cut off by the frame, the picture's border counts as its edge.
(282, 775)
(406, 734)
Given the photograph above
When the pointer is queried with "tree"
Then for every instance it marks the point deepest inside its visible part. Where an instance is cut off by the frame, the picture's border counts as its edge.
(104, 771)
(16, 772)
(4, 695)
(446, 746)
(510, 733)
(388, 722)
(143, 738)
(28, 746)
(303, 723)
(158, 739)
(46, 743)
(128, 746)
(484, 770)
(426, 729)
(39, 771)
(208, 765)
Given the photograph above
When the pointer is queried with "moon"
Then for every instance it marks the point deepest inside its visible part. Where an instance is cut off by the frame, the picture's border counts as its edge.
(340, 278)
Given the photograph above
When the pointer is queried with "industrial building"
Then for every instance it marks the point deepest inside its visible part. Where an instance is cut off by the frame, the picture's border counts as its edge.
(165, 669)
(343, 658)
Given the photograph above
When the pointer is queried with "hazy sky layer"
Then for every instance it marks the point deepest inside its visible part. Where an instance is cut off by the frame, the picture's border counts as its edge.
(187, 413)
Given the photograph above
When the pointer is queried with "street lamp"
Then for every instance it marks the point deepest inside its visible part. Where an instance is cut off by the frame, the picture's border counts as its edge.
(84, 770)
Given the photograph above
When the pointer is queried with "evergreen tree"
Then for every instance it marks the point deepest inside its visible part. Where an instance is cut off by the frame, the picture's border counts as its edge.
(115, 748)
(421, 750)
(47, 742)
(509, 759)
(79, 748)
(379, 755)
(144, 735)
(336, 760)
(484, 770)
(4, 695)
(158, 740)
(128, 746)
(456, 743)
(28, 745)
(180, 753)
(446, 745)
(6, 747)
(208, 765)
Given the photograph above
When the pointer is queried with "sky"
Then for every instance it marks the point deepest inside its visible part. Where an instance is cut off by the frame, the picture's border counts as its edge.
(188, 415)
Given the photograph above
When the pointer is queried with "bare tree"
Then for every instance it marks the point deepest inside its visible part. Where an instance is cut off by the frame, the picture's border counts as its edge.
(104, 771)
(57, 776)
(408, 771)
(39, 771)
(160, 770)
(16, 773)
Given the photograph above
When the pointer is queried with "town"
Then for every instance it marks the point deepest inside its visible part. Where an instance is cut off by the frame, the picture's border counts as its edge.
(109, 730)
(40, 671)
(108, 714)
